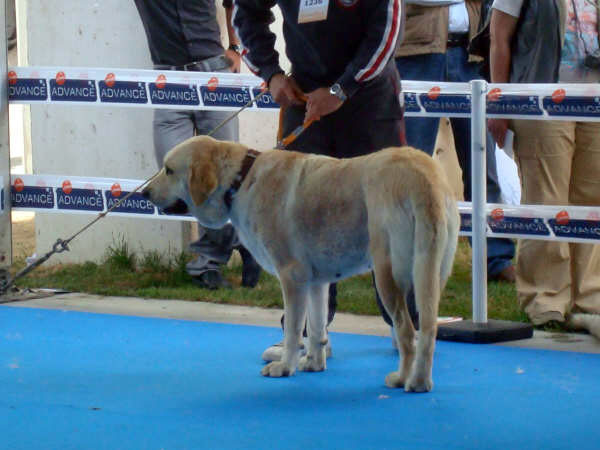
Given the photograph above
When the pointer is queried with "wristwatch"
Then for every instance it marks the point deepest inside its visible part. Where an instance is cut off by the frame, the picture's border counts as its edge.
(337, 91)
(236, 48)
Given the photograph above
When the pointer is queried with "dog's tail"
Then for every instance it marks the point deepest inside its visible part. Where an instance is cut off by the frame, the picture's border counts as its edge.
(589, 322)
(433, 248)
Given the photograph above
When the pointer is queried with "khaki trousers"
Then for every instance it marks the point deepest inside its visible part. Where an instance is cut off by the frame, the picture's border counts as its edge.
(559, 164)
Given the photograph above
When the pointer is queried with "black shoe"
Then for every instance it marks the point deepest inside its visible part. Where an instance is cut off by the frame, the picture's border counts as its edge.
(211, 279)
(250, 269)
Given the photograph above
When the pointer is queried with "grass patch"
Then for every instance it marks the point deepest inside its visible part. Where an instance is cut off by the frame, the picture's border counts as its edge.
(155, 275)
(119, 256)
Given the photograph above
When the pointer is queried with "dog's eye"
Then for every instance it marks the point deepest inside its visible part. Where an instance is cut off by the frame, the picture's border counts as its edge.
(168, 171)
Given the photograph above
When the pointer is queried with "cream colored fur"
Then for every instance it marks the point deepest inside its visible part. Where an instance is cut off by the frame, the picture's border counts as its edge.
(312, 220)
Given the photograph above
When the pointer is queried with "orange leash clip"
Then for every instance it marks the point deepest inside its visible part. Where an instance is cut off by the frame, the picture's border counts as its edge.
(283, 142)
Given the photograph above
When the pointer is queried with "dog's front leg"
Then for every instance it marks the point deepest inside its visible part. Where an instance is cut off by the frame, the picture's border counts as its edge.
(315, 359)
(295, 294)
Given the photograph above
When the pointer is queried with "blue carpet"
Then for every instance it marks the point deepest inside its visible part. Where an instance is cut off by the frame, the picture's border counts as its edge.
(87, 381)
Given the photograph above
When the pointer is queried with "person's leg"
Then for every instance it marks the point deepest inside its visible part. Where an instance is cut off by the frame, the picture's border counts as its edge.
(314, 140)
(500, 251)
(421, 133)
(543, 152)
(170, 127)
(372, 121)
(585, 191)
(218, 245)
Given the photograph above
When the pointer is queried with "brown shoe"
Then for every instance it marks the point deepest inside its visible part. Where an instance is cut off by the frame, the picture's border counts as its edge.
(506, 275)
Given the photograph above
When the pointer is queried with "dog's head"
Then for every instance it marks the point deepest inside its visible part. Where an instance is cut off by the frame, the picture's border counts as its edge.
(192, 179)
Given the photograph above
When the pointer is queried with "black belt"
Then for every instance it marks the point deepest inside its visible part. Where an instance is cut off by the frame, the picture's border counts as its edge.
(212, 64)
(458, 40)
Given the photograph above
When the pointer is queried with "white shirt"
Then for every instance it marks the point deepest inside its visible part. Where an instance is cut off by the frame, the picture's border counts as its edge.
(510, 7)
(459, 18)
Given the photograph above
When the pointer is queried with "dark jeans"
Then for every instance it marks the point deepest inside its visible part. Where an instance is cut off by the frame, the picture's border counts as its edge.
(421, 133)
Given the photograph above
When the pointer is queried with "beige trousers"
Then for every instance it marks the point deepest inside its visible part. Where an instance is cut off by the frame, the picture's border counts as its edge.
(559, 164)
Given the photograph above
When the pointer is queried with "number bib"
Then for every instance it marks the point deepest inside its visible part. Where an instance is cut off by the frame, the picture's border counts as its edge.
(312, 10)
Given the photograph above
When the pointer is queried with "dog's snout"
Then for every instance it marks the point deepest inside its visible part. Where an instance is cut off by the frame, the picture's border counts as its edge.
(146, 193)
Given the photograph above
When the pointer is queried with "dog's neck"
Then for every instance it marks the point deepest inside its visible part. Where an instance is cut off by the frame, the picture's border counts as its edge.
(249, 159)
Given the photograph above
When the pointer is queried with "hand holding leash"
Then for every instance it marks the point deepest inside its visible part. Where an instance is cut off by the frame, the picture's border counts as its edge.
(285, 91)
(320, 103)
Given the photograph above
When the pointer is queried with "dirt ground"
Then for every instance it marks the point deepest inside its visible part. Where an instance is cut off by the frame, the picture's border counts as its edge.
(23, 234)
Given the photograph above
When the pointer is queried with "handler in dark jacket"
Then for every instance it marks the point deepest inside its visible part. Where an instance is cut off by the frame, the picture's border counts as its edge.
(343, 76)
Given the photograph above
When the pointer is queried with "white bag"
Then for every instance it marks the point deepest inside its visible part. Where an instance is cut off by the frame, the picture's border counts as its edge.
(508, 174)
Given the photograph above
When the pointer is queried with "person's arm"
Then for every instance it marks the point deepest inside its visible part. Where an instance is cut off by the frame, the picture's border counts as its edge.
(377, 47)
(251, 20)
(232, 50)
(502, 30)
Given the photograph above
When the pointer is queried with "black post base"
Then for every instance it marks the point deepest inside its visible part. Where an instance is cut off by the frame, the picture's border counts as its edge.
(484, 333)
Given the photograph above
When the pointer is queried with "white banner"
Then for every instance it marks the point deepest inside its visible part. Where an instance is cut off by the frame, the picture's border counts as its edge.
(79, 195)
(229, 92)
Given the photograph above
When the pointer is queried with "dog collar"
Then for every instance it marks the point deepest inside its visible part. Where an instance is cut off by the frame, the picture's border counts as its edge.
(239, 178)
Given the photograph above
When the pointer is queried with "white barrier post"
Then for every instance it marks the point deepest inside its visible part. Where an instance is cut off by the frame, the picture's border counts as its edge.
(480, 330)
(479, 198)
(5, 222)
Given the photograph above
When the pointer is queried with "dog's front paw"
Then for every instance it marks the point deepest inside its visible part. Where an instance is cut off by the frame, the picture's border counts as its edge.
(418, 384)
(277, 369)
(308, 363)
(395, 380)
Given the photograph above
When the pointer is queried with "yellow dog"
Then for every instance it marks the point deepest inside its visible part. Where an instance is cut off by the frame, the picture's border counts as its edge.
(312, 220)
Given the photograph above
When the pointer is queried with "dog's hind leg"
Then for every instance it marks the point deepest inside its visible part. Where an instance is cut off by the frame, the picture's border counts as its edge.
(295, 295)
(393, 297)
(315, 359)
(429, 248)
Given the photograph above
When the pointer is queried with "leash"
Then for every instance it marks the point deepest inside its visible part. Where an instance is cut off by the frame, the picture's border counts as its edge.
(283, 142)
(63, 245)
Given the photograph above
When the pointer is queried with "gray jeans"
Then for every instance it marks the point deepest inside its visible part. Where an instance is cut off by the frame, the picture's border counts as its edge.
(174, 126)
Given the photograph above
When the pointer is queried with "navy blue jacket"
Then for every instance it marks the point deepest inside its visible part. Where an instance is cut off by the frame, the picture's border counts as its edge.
(350, 47)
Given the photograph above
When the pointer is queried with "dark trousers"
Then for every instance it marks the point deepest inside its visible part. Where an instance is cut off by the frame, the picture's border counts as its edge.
(370, 120)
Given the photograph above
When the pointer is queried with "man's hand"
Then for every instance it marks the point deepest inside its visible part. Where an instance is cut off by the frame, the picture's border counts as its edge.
(498, 129)
(285, 91)
(235, 58)
(320, 103)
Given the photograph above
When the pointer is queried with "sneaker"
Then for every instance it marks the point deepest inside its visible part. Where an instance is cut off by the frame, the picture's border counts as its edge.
(506, 275)
(274, 352)
(211, 279)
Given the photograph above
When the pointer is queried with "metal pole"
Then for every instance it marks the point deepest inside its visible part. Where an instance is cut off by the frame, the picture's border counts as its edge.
(5, 219)
(478, 196)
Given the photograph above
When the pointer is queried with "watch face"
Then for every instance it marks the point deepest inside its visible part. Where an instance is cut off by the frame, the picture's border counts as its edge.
(336, 90)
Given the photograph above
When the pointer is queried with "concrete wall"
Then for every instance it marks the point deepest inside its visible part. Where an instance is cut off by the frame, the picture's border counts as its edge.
(102, 142)
(108, 142)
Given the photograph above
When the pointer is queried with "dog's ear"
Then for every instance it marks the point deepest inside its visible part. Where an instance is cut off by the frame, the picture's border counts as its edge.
(202, 180)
